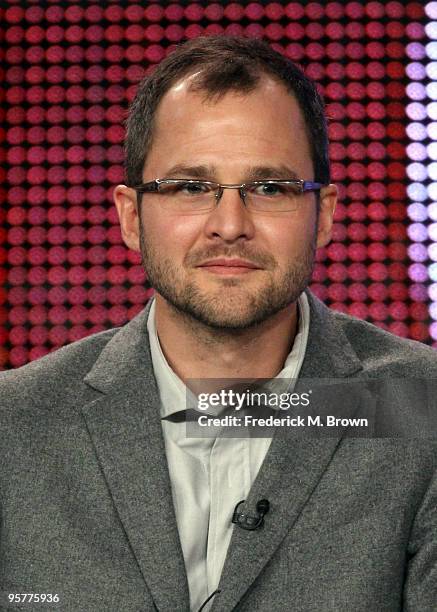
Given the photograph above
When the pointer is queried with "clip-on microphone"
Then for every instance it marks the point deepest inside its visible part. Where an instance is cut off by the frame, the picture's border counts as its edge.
(245, 521)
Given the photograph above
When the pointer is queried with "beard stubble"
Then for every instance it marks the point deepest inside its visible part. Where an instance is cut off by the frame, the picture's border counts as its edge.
(232, 306)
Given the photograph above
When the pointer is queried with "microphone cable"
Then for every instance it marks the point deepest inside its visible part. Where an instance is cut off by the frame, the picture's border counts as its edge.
(209, 599)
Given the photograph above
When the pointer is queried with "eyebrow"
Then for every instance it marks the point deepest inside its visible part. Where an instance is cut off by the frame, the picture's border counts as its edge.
(253, 173)
(274, 172)
(199, 172)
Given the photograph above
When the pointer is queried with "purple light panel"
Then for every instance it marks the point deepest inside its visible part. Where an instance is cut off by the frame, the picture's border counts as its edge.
(422, 191)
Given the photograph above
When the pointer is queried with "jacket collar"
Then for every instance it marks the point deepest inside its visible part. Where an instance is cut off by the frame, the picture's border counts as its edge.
(123, 421)
(329, 352)
(127, 355)
(293, 466)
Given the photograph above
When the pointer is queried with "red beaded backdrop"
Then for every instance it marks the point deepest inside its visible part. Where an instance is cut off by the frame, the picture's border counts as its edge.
(70, 71)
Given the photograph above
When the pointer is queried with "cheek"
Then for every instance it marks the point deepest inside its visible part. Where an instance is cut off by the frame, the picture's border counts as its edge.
(287, 240)
(172, 235)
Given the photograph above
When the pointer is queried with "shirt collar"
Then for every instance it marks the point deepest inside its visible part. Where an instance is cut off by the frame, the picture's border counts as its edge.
(173, 391)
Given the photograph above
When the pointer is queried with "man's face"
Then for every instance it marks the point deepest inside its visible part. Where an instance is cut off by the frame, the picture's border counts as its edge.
(238, 138)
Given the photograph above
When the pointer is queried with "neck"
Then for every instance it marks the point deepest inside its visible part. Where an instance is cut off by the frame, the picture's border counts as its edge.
(194, 350)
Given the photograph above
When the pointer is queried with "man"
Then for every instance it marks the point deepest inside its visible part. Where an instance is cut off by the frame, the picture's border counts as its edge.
(104, 499)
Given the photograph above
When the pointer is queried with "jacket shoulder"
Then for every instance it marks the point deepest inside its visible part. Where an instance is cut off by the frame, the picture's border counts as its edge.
(59, 372)
(381, 351)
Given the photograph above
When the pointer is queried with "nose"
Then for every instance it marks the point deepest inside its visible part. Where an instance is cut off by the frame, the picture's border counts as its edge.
(230, 219)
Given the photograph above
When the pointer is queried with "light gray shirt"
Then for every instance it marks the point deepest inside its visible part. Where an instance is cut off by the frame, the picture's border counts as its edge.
(208, 475)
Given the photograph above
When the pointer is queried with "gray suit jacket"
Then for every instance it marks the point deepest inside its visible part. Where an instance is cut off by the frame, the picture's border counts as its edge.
(85, 499)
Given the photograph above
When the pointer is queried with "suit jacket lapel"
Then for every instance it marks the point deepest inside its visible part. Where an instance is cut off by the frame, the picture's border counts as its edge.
(124, 424)
(293, 466)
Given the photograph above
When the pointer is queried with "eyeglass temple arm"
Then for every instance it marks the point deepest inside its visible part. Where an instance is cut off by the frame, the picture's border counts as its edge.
(312, 186)
(146, 187)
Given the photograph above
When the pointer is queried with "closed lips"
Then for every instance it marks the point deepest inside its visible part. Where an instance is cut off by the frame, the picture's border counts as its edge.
(230, 263)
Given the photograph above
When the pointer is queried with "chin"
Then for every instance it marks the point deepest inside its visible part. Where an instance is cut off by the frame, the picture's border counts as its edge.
(231, 307)
(225, 313)
(228, 321)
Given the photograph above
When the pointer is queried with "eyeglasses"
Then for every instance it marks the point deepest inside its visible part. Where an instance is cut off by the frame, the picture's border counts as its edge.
(191, 195)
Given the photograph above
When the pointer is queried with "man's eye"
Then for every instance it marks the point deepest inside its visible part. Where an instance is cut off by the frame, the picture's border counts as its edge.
(269, 189)
(193, 188)
(183, 188)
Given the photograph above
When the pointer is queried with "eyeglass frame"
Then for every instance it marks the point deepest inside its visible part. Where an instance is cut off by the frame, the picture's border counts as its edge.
(153, 186)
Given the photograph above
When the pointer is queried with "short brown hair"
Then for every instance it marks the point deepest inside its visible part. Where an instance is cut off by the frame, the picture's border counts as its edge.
(228, 63)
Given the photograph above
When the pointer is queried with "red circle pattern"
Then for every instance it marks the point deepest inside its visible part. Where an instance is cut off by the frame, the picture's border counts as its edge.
(70, 72)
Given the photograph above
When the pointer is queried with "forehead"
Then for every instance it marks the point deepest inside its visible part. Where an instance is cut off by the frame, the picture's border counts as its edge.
(269, 95)
(265, 122)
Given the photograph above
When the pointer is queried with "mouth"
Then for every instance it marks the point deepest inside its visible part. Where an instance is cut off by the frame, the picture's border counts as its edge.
(229, 266)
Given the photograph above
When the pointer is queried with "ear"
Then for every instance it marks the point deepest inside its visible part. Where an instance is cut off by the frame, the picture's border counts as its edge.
(125, 199)
(328, 201)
